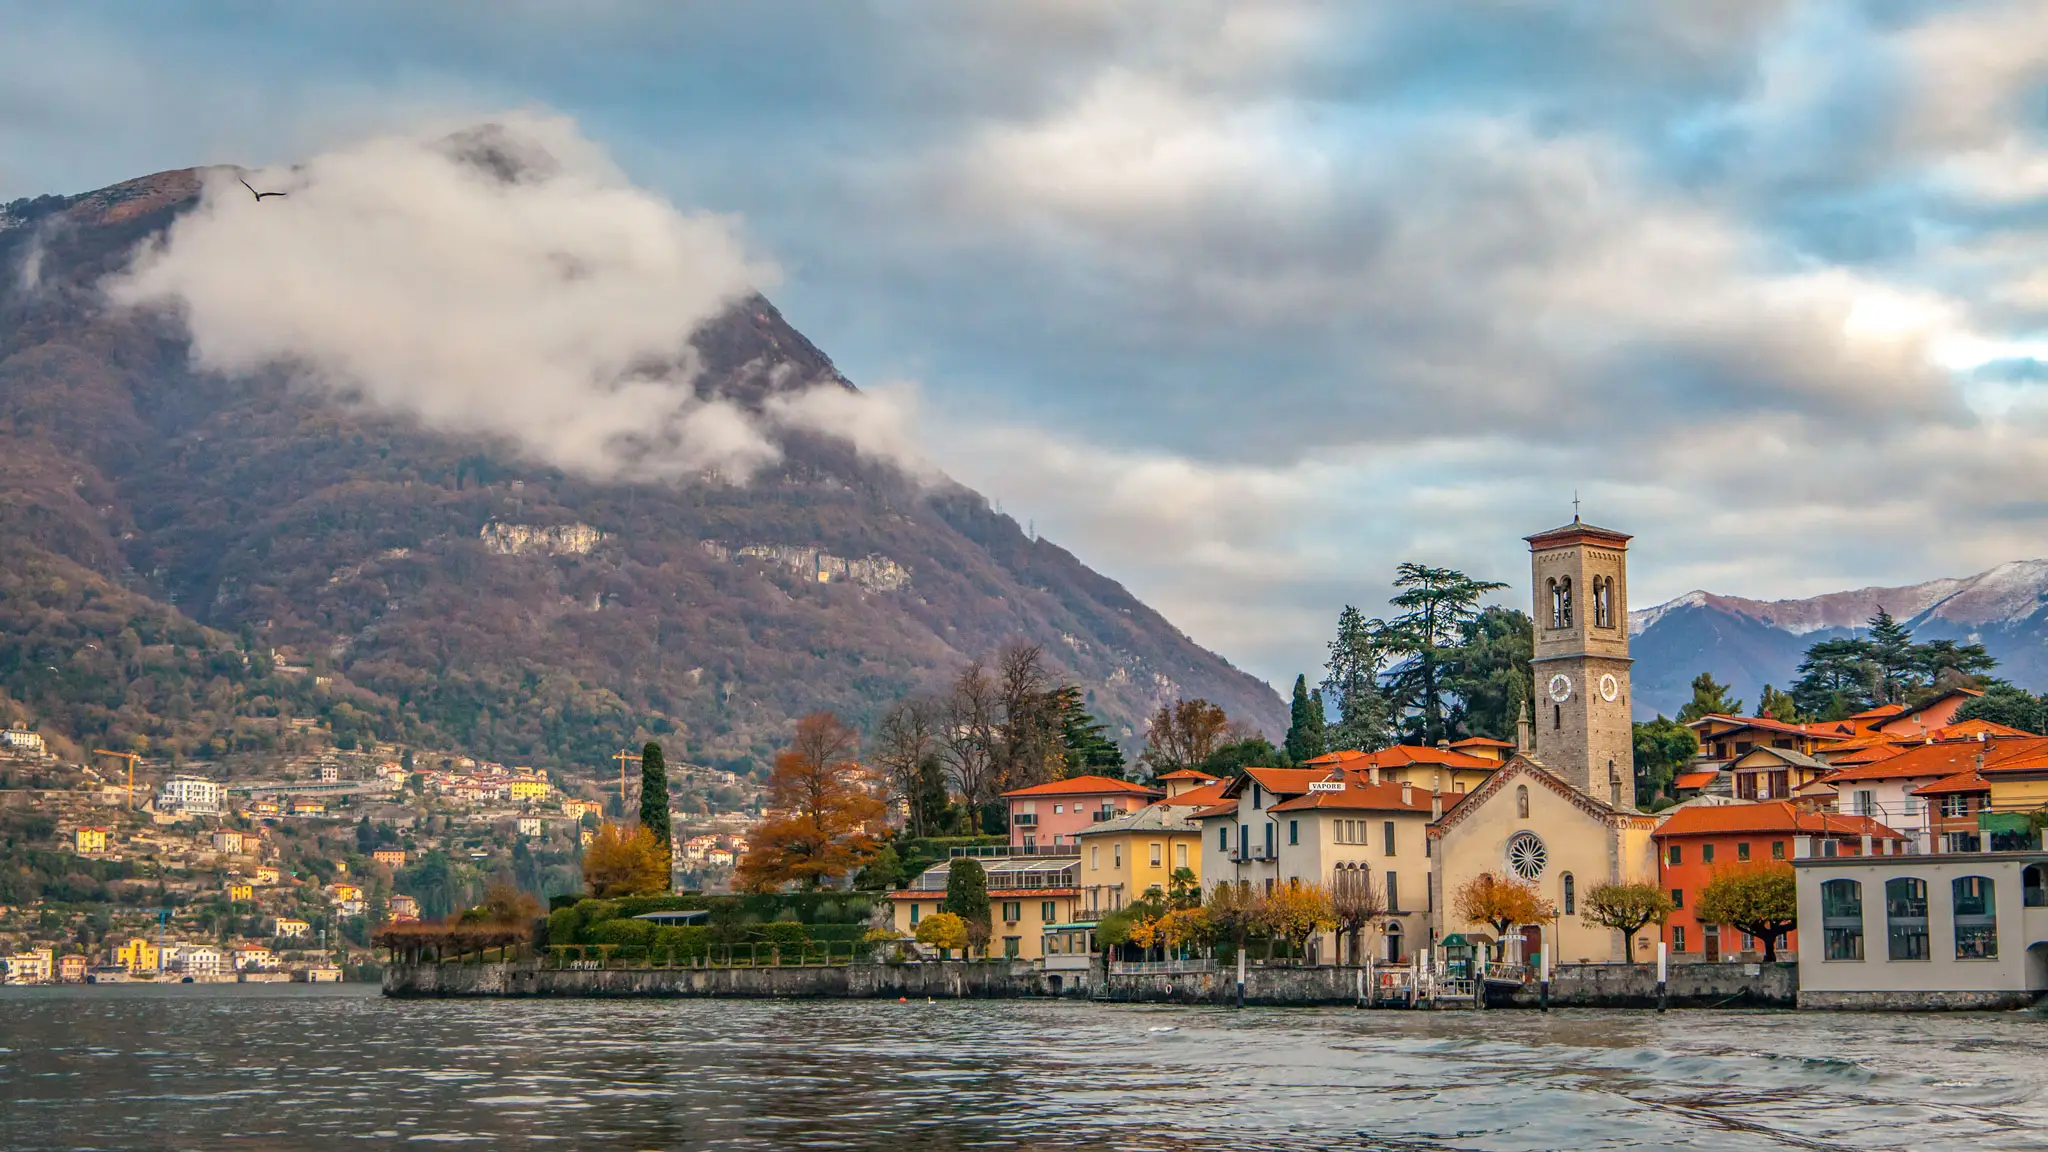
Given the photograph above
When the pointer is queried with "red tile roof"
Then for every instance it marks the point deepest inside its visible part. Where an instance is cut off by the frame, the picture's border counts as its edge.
(1228, 808)
(1868, 754)
(1280, 781)
(1825, 731)
(1404, 755)
(1360, 796)
(1971, 781)
(1480, 742)
(1968, 729)
(1207, 794)
(1767, 816)
(1085, 786)
(1944, 759)
(1694, 779)
(1185, 774)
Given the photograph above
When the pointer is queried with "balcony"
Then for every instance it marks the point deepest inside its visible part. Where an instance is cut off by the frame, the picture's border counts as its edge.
(1101, 814)
(1024, 820)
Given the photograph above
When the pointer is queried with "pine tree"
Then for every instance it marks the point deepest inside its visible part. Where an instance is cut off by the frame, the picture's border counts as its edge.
(1438, 603)
(929, 803)
(654, 793)
(1305, 725)
(1709, 698)
(1363, 715)
(1891, 650)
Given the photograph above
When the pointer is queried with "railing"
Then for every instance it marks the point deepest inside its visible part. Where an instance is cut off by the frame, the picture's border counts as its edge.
(988, 851)
(1024, 820)
(594, 957)
(1159, 967)
(1101, 814)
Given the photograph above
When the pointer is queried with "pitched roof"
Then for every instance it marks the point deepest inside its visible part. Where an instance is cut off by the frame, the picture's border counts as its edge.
(1694, 779)
(1766, 816)
(1797, 759)
(1228, 808)
(1279, 781)
(1523, 765)
(1577, 528)
(1360, 796)
(1207, 794)
(1184, 774)
(1157, 818)
(1084, 786)
(1882, 711)
(1971, 781)
(1403, 755)
(1480, 742)
(1968, 730)
(1824, 731)
(1941, 759)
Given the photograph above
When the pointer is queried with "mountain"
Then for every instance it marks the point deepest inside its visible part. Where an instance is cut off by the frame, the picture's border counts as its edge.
(213, 563)
(1750, 643)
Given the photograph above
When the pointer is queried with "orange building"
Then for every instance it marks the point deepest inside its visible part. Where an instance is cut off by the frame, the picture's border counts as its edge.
(1697, 843)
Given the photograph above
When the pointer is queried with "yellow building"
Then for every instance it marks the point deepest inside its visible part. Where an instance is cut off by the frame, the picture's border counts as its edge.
(525, 791)
(1026, 894)
(343, 893)
(266, 876)
(241, 892)
(389, 857)
(1122, 858)
(91, 840)
(137, 955)
(292, 929)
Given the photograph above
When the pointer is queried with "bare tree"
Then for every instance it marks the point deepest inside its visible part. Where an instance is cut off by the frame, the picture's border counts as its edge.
(1182, 735)
(968, 735)
(1358, 904)
(1030, 748)
(906, 737)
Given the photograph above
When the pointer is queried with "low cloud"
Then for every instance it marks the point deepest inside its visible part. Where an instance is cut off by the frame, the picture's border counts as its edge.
(501, 279)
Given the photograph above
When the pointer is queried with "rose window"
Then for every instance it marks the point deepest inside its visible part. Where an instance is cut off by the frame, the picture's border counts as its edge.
(1526, 855)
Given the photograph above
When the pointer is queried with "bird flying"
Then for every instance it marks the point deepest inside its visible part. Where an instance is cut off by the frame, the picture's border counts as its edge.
(253, 192)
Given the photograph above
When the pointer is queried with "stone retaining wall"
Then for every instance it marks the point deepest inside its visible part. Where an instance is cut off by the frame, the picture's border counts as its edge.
(957, 979)
(1917, 1001)
(1688, 986)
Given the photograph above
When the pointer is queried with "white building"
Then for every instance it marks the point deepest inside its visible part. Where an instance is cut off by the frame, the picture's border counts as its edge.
(228, 841)
(1941, 930)
(20, 740)
(197, 960)
(191, 795)
(37, 967)
(529, 826)
(254, 959)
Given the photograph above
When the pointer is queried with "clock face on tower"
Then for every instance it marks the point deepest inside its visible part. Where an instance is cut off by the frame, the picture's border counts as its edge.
(1609, 687)
(1560, 687)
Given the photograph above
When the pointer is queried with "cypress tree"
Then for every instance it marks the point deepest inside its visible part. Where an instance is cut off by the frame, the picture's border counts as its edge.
(967, 891)
(654, 793)
(1304, 725)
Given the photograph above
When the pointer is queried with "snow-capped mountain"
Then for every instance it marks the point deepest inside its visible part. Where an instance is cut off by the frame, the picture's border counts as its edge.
(1750, 643)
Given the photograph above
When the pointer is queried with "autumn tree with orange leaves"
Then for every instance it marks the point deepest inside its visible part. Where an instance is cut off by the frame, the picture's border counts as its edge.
(823, 811)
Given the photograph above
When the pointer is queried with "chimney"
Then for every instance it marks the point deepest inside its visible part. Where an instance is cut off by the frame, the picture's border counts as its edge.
(1375, 773)
(1980, 761)
(1866, 840)
(1407, 794)
(1443, 744)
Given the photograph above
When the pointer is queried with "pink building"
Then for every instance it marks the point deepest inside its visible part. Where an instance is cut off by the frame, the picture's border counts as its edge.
(1049, 815)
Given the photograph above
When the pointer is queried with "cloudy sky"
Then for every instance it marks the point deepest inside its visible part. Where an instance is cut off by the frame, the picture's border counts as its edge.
(1247, 303)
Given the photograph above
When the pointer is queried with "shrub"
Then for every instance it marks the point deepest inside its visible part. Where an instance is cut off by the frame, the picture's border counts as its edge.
(783, 934)
(622, 932)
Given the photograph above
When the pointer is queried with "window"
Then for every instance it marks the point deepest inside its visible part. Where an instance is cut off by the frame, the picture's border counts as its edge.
(1116, 855)
(1678, 897)
(1095, 850)
(1781, 784)
(1180, 855)
(914, 909)
(1866, 802)
(1830, 848)
(1255, 797)
(1223, 837)
(1742, 850)
(1048, 913)
(1777, 849)
(1244, 841)
(1952, 806)
(1393, 892)
(1294, 831)
(1745, 785)
(1013, 910)
(1556, 716)
(1269, 839)
(1678, 937)
(1571, 895)
(1522, 801)
(1842, 919)
(1676, 855)
(1059, 808)
(1012, 945)
(1905, 911)
(1706, 853)
(1603, 602)
(1158, 853)
(1387, 833)
(1976, 908)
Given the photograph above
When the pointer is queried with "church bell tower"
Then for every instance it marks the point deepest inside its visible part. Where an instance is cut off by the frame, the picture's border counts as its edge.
(1580, 673)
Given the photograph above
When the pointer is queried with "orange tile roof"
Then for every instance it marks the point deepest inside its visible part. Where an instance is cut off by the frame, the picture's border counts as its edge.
(1280, 781)
(1228, 808)
(1968, 729)
(1480, 742)
(1945, 759)
(1694, 779)
(1767, 816)
(1971, 781)
(1826, 731)
(1403, 755)
(1882, 710)
(1207, 794)
(1360, 796)
(1083, 786)
(1185, 774)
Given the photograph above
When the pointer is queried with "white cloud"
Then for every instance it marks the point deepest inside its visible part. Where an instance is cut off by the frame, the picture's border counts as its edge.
(504, 280)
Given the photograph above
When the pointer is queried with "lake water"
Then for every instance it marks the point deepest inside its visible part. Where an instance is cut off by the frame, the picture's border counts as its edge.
(263, 1067)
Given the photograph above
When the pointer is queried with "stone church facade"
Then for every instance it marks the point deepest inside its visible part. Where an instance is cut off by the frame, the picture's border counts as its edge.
(1561, 814)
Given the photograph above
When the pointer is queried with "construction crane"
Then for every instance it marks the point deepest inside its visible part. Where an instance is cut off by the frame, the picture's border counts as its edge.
(131, 757)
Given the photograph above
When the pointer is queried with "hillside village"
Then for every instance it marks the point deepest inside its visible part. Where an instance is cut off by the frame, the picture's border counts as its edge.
(200, 872)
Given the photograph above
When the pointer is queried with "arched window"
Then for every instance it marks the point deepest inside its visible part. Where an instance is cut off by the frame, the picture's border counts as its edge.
(1905, 913)
(1976, 909)
(1394, 942)
(1556, 604)
(1571, 895)
(1564, 602)
(1603, 601)
(1841, 919)
(1522, 801)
